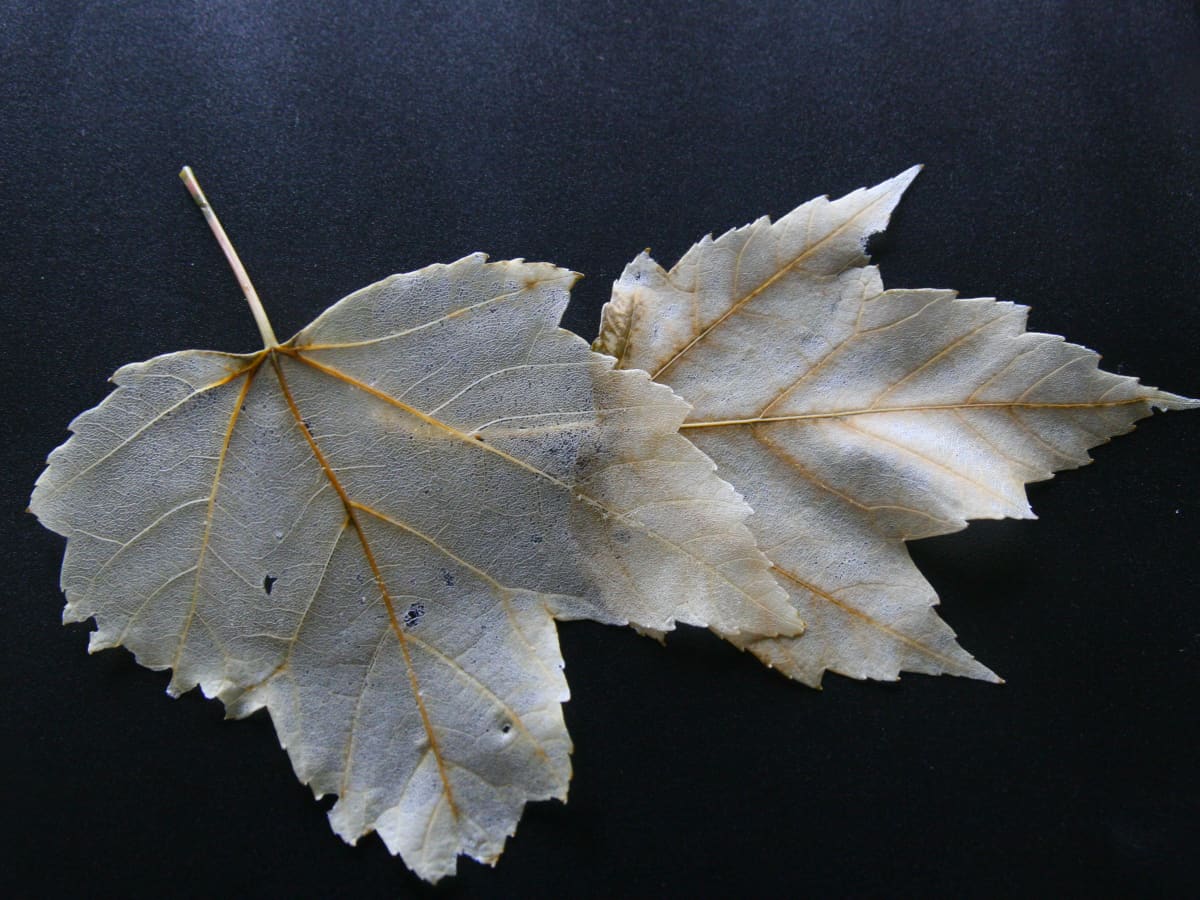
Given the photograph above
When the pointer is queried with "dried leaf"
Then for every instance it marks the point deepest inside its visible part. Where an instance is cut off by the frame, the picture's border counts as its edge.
(369, 529)
(853, 418)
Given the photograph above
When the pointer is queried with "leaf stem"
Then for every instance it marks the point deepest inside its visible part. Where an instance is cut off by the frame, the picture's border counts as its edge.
(256, 307)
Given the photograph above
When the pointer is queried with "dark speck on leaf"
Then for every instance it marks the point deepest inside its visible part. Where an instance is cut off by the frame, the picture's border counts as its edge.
(536, 539)
(412, 616)
(268, 583)
(448, 577)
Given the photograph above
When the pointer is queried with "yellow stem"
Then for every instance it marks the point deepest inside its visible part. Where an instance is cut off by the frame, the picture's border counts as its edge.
(256, 307)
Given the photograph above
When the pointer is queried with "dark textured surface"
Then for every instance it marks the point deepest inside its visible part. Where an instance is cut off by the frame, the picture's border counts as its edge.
(1061, 145)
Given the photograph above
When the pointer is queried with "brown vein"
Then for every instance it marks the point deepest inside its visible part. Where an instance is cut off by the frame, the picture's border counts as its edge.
(500, 590)
(126, 545)
(1070, 362)
(312, 598)
(925, 458)
(352, 515)
(996, 448)
(374, 513)
(1025, 427)
(842, 344)
(794, 464)
(926, 407)
(352, 731)
(520, 463)
(250, 373)
(457, 668)
(453, 314)
(141, 429)
(801, 257)
(948, 662)
(945, 351)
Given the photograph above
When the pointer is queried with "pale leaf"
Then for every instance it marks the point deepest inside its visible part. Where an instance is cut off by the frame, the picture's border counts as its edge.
(370, 528)
(854, 418)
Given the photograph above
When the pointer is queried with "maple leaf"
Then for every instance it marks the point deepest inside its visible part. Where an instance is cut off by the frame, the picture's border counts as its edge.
(853, 418)
(369, 529)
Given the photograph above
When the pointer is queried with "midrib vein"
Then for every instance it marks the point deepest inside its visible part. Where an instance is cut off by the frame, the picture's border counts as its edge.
(352, 510)
(926, 407)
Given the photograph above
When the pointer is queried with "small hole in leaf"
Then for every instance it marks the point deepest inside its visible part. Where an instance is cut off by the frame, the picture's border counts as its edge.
(506, 728)
(268, 583)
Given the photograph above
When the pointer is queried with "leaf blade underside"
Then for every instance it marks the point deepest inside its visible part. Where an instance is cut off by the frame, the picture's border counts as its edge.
(853, 418)
(369, 531)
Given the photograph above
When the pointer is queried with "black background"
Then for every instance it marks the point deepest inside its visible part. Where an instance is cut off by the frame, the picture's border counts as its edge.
(1060, 143)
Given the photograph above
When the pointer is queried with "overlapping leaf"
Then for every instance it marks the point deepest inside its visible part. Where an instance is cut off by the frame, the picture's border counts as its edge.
(854, 418)
(369, 530)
